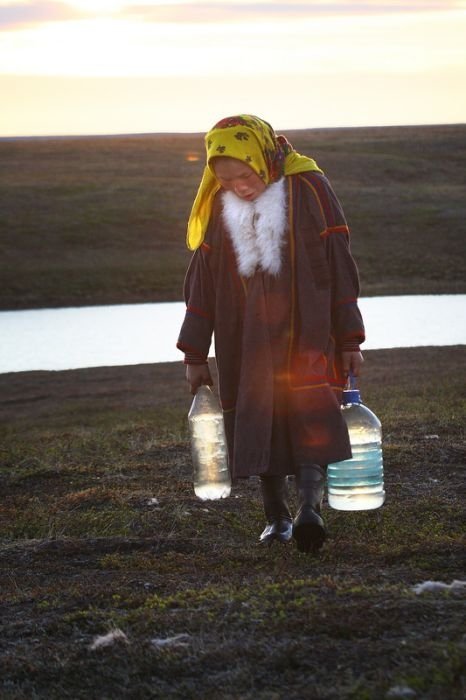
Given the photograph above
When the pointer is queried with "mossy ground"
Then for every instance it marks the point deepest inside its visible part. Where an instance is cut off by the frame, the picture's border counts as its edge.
(102, 220)
(100, 531)
(99, 526)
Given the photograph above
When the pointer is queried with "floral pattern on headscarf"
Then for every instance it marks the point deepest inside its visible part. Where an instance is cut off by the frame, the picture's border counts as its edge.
(260, 135)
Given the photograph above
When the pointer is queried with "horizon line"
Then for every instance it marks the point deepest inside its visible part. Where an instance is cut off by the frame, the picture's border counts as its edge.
(142, 134)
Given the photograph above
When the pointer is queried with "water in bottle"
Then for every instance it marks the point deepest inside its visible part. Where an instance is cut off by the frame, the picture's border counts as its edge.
(211, 475)
(357, 483)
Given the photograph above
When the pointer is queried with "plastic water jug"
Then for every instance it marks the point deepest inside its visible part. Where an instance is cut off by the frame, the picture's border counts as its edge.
(357, 483)
(211, 476)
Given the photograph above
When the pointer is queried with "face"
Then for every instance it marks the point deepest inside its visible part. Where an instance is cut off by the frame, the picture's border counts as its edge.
(238, 177)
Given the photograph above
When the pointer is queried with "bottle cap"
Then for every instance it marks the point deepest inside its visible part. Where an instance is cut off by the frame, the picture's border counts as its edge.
(351, 396)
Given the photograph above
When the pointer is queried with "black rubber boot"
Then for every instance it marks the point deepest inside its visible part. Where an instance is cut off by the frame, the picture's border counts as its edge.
(279, 521)
(308, 526)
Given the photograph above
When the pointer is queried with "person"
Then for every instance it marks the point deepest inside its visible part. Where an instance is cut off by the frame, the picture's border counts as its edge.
(273, 279)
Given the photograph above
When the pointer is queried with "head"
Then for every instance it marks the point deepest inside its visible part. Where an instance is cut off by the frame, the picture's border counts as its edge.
(238, 177)
(245, 155)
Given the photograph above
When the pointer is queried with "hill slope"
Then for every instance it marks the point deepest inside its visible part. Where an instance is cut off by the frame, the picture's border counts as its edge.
(97, 220)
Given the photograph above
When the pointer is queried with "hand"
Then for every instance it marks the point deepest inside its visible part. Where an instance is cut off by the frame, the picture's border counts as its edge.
(196, 375)
(352, 362)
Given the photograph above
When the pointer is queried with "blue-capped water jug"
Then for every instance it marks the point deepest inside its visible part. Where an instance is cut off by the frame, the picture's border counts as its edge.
(357, 483)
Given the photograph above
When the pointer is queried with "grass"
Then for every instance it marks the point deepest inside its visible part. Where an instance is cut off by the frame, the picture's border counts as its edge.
(100, 532)
(102, 220)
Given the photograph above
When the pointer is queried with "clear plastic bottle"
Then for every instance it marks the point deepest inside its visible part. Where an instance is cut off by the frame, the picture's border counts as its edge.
(357, 483)
(211, 475)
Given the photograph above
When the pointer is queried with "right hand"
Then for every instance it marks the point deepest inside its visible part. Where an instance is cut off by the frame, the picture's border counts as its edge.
(197, 375)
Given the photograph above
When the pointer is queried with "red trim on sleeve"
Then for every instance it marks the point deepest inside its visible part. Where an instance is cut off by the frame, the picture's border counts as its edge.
(198, 312)
(191, 352)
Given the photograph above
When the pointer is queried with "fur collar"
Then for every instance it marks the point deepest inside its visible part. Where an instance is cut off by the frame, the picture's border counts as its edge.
(257, 229)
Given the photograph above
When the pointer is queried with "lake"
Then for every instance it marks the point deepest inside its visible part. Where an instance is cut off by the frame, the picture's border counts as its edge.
(131, 334)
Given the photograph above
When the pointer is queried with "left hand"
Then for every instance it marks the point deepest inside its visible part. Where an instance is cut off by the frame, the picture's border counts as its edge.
(352, 362)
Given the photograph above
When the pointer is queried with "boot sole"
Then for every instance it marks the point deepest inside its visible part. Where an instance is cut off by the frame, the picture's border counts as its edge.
(309, 537)
(270, 540)
(275, 537)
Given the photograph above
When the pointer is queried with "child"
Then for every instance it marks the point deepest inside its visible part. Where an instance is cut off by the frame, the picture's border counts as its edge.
(273, 278)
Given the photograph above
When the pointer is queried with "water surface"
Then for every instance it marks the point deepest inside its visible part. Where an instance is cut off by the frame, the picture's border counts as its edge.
(131, 334)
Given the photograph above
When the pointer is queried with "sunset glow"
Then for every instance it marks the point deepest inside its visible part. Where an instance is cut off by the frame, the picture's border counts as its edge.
(100, 66)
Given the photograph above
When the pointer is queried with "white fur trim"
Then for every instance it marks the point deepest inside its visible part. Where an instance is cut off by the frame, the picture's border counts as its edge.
(257, 229)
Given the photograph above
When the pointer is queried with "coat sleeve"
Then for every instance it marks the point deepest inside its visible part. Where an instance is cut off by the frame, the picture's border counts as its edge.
(347, 322)
(199, 295)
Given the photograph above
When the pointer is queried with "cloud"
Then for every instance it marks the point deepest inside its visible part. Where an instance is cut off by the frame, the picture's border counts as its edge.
(20, 15)
(208, 12)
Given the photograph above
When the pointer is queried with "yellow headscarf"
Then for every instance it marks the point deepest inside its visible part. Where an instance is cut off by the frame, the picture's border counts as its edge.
(252, 141)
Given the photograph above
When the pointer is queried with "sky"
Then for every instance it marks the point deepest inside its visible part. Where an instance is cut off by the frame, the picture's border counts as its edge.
(76, 67)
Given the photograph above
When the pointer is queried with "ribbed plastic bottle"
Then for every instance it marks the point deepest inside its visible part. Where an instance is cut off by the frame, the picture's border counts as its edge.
(211, 476)
(357, 483)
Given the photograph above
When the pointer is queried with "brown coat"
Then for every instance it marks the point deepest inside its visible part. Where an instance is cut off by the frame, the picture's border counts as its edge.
(277, 338)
